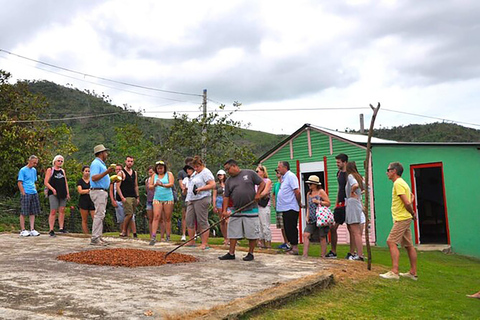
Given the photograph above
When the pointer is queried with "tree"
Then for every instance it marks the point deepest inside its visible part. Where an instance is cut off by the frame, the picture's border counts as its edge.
(23, 134)
(185, 138)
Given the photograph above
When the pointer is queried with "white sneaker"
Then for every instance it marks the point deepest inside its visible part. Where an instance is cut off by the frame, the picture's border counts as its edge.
(25, 233)
(390, 275)
(408, 275)
(184, 238)
(34, 233)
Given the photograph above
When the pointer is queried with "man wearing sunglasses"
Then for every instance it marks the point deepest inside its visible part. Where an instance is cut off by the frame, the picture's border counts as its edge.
(403, 214)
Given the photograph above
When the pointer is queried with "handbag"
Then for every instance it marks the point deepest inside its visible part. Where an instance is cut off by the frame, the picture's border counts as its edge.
(263, 202)
(324, 216)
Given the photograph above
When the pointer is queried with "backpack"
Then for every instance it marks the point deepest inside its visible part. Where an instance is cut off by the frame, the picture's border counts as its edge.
(45, 190)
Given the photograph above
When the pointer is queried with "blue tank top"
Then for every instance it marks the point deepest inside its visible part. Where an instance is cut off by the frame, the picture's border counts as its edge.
(162, 193)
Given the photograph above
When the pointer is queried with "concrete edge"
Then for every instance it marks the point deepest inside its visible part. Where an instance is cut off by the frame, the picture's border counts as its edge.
(270, 297)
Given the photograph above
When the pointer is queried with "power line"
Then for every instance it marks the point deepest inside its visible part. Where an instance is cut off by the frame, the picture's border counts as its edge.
(101, 78)
(430, 117)
(60, 119)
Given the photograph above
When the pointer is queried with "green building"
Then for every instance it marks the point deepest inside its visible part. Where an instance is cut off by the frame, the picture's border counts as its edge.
(441, 176)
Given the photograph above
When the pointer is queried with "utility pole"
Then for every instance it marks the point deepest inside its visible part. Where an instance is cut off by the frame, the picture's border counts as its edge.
(362, 125)
(204, 125)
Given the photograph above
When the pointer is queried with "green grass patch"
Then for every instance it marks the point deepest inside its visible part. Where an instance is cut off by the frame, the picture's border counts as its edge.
(440, 292)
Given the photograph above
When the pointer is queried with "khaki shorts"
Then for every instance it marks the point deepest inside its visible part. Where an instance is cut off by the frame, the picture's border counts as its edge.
(129, 206)
(197, 210)
(401, 234)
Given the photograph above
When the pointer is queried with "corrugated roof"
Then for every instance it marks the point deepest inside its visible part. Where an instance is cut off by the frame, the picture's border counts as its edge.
(360, 139)
(356, 138)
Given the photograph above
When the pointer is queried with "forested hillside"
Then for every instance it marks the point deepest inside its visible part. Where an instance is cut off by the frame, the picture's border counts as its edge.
(431, 132)
(67, 102)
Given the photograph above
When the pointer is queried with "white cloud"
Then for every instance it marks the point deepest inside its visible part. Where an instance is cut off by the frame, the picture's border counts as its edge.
(414, 57)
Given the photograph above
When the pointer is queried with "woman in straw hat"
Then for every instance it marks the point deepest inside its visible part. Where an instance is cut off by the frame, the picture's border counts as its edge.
(316, 196)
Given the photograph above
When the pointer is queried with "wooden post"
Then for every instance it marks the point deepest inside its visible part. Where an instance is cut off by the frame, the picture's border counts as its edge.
(366, 210)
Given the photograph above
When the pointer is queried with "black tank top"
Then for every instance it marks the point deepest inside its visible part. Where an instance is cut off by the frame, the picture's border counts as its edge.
(128, 185)
(57, 181)
(342, 182)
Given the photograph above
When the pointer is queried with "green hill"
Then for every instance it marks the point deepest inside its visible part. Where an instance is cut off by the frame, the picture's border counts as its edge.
(65, 102)
(431, 132)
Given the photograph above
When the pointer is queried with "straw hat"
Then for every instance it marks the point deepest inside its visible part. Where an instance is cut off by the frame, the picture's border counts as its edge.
(99, 149)
(313, 179)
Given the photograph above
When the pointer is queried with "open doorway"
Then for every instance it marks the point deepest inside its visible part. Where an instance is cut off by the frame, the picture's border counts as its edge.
(428, 186)
(306, 170)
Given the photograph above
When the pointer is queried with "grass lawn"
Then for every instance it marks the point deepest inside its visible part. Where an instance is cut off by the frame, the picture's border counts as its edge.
(440, 293)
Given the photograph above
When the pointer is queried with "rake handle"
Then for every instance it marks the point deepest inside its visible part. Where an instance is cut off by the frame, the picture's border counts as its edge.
(213, 225)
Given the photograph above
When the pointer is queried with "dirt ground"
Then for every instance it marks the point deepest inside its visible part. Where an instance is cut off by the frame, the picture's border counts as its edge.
(35, 285)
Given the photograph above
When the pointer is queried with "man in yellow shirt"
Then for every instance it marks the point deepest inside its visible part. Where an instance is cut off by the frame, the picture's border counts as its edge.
(403, 214)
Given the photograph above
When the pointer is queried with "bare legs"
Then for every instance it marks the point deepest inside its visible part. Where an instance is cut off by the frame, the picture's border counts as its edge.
(355, 230)
(53, 216)
(334, 236)
(395, 255)
(306, 245)
(150, 221)
(167, 213)
(184, 221)
(162, 215)
(84, 213)
(32, 222)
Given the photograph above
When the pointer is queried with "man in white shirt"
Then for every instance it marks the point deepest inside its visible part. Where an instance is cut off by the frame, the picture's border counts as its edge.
(288, 203)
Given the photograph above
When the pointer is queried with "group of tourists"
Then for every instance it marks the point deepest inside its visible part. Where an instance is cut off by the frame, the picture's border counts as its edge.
(242, 201)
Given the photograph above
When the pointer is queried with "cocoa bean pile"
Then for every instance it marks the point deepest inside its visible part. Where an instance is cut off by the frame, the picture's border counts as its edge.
(123, 257)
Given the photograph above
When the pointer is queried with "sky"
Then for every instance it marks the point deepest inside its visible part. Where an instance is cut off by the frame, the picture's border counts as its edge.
(287, 62)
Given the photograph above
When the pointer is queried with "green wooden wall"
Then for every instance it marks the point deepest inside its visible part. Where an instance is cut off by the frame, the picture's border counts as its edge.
(320, 148)
(461, 168)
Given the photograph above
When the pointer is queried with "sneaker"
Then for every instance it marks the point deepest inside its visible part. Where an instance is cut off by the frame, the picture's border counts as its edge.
(248, 257)
(390, 275)
(409, 275)
(228, 256)
(331, 255)
(97, 242)
(24, 233)
(348, 256)
(356, 257)
(152, 242)
(184, 238)
(51, 233)
(104, 241)
(167, 239)
(34, 233)
(135, 236)
(62, 231)
(283, 246)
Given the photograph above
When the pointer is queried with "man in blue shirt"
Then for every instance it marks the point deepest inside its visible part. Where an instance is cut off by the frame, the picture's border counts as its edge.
(99, 185)
(30, 204)
(288, 204)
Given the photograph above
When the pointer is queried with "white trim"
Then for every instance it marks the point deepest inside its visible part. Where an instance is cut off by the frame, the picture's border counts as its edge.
(312, 166)
(291, 149)
(308, 167)
(309, 143)
(331, 144)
